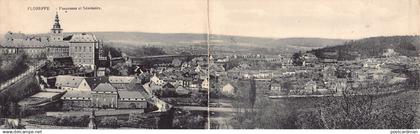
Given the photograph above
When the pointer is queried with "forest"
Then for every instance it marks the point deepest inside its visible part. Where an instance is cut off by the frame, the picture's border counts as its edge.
(371, 48)
(12, 66)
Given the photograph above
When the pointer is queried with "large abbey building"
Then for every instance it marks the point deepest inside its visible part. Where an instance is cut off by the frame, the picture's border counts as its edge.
(83, 48)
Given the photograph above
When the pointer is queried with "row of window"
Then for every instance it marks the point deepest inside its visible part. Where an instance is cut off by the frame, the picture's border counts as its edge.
(97, 99)
(83, 61)
(34, 50)
(83, 49)
(132, 99)
(76, 98)
(54, 38)
(58, 49)
(81, 55)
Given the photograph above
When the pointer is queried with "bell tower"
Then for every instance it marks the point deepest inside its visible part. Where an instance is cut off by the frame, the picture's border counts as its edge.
(56, 27)
(56, 31)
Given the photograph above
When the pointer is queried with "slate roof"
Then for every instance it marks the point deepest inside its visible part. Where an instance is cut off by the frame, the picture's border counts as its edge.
(57, 44)
(105, 87)
(15, 35)
(83, 37)
(168, 85)
(154, 86)
(120, 79)
(131, 95)
(68, 37)
(181, 90)
(68, 81)
(134, 87)
(45, 95)
(228, 87)
(76, 94)
(23, 43)
(93, 82)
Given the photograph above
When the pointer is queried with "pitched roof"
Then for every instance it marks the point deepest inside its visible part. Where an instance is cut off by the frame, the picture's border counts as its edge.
(24, 43)
(228, 87)
(131, 94)
(121, 79)
(168, 85)
(57, 44)
(181, 90)
(154, 86)
(67, 37)
(105, 87)
(83, 37)
(68, 81)
(44, 95)
(93, 82)
(15, 35)
(76, 94)
(134, 85)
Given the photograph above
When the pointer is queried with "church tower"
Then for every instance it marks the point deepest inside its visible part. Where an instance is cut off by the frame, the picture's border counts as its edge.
(56, 27)
(56, 31)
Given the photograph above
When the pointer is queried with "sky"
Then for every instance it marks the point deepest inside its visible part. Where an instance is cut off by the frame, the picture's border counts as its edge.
(347, 19)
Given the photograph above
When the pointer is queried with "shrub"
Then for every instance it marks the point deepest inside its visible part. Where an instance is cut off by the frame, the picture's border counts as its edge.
(111, 122)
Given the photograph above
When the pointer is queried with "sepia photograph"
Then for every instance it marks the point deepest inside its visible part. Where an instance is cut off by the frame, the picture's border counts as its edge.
(209, 65)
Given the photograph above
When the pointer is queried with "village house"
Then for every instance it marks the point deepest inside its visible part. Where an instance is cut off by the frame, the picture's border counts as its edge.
(205, 85)
(182, 91)
(168, 86)
(104, 96)
(120, 82)
(76, 100)
(77, 83)
(228, 90)
(95, 81)
(131, 100)
(275, 86)
(310, 86)
(309, 59)
(329, 71)
(154, 79)
(72, 83)
(195, 85)
(389, 53)
(197, 69)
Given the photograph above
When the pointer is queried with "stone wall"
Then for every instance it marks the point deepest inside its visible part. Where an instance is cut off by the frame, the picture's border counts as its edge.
(76, 104)
(132, 104)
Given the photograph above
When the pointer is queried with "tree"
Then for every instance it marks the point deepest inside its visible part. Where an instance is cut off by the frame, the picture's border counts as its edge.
(231, 64)
(110, 122)
(252, 92)
(110, 50)
(297, 58)
(367, 111)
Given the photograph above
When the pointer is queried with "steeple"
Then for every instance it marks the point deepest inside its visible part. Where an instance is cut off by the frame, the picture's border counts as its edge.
(56, 27)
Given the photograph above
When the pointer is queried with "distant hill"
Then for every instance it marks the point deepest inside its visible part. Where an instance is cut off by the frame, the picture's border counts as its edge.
(228, 43)
(139, 38)
(372, 47)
